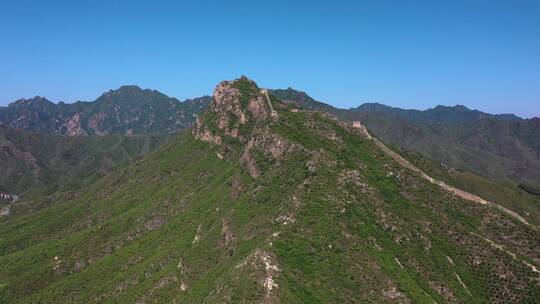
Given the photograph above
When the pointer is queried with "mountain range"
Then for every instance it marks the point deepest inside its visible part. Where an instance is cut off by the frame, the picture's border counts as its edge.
(496, 146)
(267, 202)
(499, 147)
(127, 110)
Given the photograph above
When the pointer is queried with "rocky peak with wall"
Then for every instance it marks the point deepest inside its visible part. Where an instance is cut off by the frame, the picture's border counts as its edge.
(242, 113)
(237, 107)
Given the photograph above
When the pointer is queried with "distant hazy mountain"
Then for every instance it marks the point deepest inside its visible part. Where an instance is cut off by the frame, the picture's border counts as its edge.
(127, 110)
(496, 146)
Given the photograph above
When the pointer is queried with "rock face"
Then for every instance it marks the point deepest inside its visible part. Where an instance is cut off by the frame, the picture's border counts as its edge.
(203, 133)
(224, 114)
(127, 110)
(227, 100)
(258, 108)
(243, 113)
(73, 126)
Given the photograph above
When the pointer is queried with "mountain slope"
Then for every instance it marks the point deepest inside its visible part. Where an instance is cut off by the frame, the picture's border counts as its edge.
(267, 203)
(45, 163)
(495, 149)
(504, 193)
(127, 110)
(496, 146)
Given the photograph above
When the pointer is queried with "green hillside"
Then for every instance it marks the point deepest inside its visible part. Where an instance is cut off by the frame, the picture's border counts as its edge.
(505, 193)
(499, 147)
(264, 203)
(35, 164)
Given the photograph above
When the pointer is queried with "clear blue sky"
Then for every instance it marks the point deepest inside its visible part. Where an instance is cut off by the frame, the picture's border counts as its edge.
(412, 54)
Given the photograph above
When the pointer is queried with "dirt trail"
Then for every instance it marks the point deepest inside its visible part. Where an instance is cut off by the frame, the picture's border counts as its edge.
(455, 191)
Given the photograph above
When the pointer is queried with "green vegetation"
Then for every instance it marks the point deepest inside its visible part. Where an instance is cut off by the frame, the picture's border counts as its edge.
(332, 219)
(505, 193)
(37, 164)
(499, 147)
(247, 89)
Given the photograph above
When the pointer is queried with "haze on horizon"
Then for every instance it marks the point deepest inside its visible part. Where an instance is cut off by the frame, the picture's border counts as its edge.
(417, 55)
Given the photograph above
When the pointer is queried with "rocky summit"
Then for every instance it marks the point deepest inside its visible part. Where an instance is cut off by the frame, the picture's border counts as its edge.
(265, 202)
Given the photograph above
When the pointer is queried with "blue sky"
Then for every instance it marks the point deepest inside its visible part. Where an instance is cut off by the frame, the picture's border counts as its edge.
(411, 54)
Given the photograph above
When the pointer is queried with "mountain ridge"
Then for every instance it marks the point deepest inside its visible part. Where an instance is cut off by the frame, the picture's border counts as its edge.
(438, 114)
(126, 110)
(303, 99)
(498, 147)
(295, 206)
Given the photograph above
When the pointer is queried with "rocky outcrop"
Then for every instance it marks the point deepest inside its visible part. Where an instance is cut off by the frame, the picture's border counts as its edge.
(73, 126)
(224, 114)
(257, 108)
(243, 112)
(201, 132)
(227, 101)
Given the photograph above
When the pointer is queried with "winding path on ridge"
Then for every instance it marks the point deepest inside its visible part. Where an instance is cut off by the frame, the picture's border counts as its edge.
(455, 191)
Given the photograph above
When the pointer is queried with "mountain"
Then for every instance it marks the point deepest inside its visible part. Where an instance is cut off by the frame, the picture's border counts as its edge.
(303, 100)
(127, 110)
(495, 149)
(499, 147)
(263, 202)
(458, 114)
(46, 163)
(496, 146)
